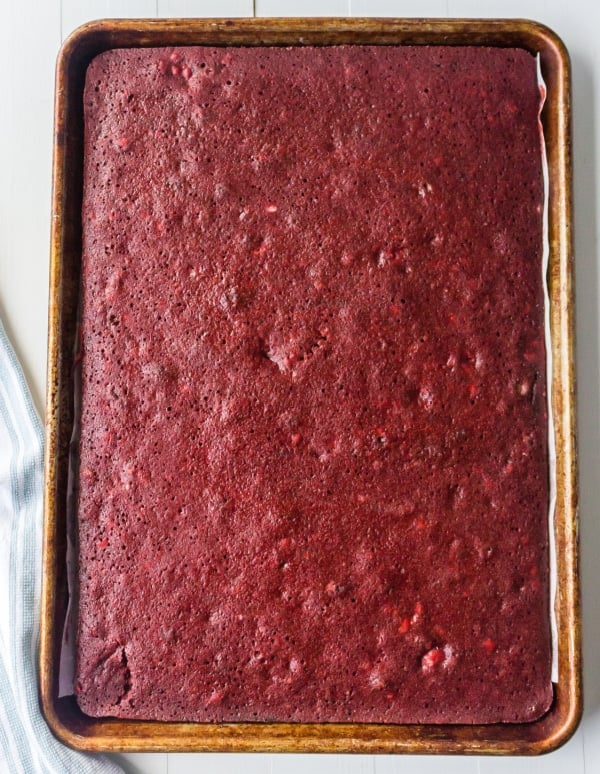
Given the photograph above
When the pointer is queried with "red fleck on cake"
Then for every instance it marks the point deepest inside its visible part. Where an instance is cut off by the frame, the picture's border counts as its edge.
(313, 478)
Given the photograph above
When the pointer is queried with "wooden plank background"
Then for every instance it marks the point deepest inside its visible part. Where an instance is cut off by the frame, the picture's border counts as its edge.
(30, 36)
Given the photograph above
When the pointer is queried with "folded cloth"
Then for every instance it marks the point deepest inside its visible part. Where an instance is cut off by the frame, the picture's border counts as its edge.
(26, 743)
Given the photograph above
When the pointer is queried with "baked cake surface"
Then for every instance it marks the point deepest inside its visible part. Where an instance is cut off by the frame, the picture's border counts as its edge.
(313, 454)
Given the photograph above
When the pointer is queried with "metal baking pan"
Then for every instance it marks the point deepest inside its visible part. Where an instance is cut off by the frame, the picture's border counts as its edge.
(62, 714)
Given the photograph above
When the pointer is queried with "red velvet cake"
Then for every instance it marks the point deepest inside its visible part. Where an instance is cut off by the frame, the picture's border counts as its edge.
(313, 479)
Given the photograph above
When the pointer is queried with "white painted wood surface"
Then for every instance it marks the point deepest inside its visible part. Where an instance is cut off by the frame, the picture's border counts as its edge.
(30, 35)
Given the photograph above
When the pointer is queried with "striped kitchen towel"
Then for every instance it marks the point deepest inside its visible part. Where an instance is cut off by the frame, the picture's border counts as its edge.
(26, 744)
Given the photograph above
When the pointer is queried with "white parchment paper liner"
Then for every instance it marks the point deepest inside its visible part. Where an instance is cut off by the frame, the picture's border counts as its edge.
(66, 670)
(548, 343)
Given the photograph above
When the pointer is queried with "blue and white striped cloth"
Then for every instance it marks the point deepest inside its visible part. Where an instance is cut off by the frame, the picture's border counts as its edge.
(26, 744)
